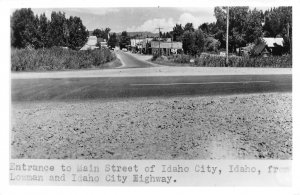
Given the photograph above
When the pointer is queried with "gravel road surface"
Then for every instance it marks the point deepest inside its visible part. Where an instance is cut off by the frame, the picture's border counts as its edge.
(253, 126)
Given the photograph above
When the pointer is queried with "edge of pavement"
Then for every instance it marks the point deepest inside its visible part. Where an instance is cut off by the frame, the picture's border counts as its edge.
(152, 71)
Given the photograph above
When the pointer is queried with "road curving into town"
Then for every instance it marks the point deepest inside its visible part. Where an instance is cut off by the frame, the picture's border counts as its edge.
(129, 61)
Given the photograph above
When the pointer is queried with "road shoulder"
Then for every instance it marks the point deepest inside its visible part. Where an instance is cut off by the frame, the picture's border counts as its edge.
(153, 71)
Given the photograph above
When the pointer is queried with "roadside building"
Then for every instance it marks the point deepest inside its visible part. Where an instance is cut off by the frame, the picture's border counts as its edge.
(90, 44)
(272, 42)
(135, 42)
(102, 42)
(269, 46)
(146, 46)
(245, 51)
(166, 47)
(141, 45)
(167, 39)
(135, 45)
(94, 43)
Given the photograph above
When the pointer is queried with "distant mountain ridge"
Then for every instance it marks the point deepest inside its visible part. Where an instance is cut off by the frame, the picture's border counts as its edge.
(144, 34)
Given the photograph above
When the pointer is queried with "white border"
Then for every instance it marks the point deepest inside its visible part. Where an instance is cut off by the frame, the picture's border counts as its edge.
(6, 5)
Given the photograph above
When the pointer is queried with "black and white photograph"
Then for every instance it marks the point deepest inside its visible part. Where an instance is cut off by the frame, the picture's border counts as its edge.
(151, 83)
(158, 84)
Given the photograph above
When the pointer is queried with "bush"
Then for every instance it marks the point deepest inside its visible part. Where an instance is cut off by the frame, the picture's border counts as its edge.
(155, 56)
(58, 59)
(181, 58)
(206, 60)
(211, 44)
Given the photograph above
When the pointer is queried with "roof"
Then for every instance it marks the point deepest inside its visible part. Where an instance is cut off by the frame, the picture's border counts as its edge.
(271, 41)
(103, 44)
(101, 40)
(90, 44)
(258, 49)
(92, 40)
(168, 45)
(248, 47)
(86, 47)
(149, 39)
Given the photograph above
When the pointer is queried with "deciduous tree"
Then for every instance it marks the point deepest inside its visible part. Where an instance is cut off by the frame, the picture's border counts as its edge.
(78, 34)
(124, 40)
(43, 28)
(23, 28)
(189, 27)
(58, 29)
(113, 41)
(177, 32)
(193, 42)
(100, 33)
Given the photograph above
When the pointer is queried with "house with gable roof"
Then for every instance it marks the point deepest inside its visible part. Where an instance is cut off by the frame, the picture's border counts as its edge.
(269, 46)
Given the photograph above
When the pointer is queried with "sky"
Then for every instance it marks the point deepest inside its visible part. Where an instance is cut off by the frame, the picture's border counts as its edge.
(136, 19)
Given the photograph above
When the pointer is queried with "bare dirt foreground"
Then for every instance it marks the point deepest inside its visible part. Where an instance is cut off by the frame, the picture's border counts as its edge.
(256, 126)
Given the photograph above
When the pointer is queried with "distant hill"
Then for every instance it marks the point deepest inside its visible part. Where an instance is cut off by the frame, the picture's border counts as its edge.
(135, 34)
(141, 34)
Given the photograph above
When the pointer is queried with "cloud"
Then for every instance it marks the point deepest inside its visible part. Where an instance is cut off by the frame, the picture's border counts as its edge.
(75, 11)
(196, 9)
(95, 11)
(189, 18)
(151, 25)
(168, 24)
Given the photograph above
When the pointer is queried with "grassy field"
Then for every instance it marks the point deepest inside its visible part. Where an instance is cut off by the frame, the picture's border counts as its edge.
(56, 58)
(254, 126)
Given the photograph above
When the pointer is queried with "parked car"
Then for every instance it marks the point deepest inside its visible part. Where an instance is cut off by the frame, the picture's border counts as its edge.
(124, 49)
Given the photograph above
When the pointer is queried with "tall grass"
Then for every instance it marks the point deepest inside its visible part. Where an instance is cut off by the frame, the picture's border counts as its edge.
(58, 59)
(206, 60)
(181, 58)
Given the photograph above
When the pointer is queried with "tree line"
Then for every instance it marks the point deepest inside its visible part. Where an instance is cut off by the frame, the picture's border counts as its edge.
(29, 30)
(245, 26)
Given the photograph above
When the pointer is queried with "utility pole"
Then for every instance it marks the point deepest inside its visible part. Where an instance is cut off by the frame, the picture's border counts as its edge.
(171, 45)
(227, 34)
(289, 38)
(159, 38)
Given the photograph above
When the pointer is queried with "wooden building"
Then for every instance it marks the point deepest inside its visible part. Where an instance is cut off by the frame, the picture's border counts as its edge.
(166, 47)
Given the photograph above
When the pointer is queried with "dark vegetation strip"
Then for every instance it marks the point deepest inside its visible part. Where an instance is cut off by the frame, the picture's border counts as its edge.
(58, 59)
(207, 60)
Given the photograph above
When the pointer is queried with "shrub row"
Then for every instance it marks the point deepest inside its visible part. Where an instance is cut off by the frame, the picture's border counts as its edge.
(58, 59)
(206, 60)
(181, 58)
(178, 58)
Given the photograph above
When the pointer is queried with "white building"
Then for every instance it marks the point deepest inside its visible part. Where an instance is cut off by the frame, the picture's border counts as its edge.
(272, 41)
(135, 42)
(90, 44)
